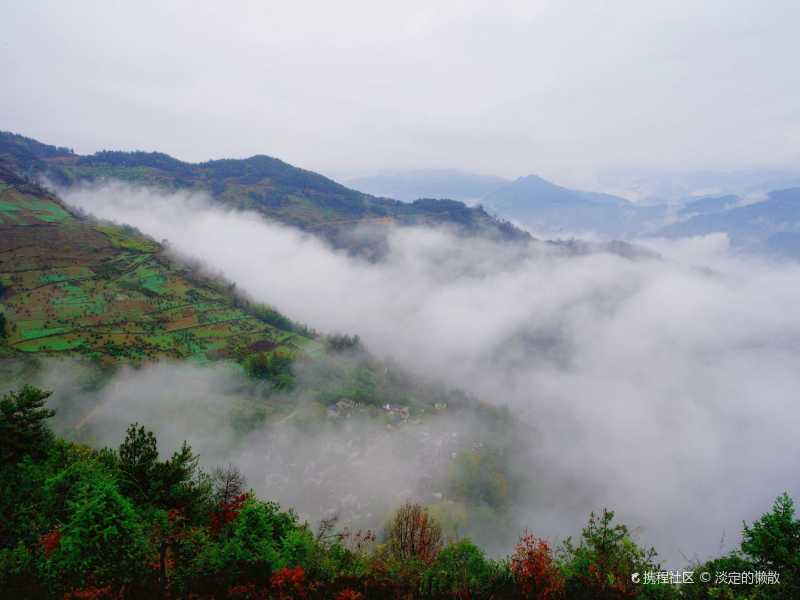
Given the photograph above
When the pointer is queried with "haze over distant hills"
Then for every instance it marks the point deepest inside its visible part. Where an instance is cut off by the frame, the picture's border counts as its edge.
(333, 211)
(547, 209)
(771, 226)
(674, 187)
(551, 209)
(429, 183)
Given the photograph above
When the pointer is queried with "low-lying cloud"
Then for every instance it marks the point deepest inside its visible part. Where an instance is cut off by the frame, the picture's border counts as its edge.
(662, 387)
(356, 469)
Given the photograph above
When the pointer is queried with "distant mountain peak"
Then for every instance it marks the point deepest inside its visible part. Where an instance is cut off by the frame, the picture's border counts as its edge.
(533, 177)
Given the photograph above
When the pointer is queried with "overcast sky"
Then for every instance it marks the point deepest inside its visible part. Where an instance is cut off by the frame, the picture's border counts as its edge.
(352, 87)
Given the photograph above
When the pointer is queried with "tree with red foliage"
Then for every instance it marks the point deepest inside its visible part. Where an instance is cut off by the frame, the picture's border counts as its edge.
(414, 534)
(290, 583)
(535, 570)
(50, 541)
(227, 512)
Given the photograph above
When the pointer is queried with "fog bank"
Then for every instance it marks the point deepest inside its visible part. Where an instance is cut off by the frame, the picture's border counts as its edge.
(661, 387)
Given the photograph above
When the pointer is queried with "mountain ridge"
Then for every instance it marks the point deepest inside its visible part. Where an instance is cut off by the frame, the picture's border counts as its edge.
(278, 190)
(771, 225)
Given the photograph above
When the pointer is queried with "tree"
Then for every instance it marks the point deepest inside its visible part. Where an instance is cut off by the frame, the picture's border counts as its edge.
(414, 534)
(341, 342)
(3, 332)
(23, 430)
(461, 571)
(228, 482)
(170, 484)
(275, 366)
(773, 543)
(228, 495)
(479, 476)
(138, 455)
(724, 590)
(600, 567)
(535, 570)
(249, 555)
(102, 544)
(170, 491)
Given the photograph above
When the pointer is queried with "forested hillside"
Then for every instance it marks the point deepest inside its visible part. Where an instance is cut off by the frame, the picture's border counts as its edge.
(270, 186)
(125, 522)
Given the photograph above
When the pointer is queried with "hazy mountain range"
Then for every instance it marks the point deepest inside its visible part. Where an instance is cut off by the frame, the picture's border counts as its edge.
(334, 212)
(769, 225)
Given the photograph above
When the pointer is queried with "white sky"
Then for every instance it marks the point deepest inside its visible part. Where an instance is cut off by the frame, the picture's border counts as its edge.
(348, 87)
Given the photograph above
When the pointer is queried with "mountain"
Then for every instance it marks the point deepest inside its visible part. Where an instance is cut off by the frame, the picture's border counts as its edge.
(671, 187)
(708, 205)
(74, 286)
(270, 186)
(545, 207)
(71, 285)
(430, 183)
(771, 226)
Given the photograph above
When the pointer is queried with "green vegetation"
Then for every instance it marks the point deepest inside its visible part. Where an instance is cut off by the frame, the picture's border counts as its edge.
(278, 190)
(110, 294)
(340, 342)
(275, 366)
(127, 523)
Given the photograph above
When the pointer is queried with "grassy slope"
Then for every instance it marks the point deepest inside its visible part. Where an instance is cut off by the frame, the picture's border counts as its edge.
(109, 293)
(278, 190)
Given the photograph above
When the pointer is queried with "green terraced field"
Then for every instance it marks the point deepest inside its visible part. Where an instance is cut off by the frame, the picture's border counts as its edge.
(109, 293)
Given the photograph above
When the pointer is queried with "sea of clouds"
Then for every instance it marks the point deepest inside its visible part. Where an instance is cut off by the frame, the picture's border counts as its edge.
(662, 386)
